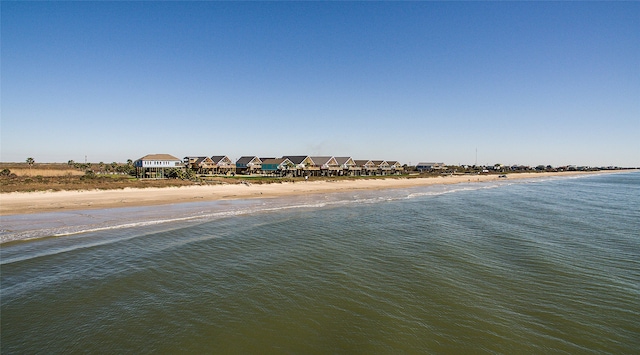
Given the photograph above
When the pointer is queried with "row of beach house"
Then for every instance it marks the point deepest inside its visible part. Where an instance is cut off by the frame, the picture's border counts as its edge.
(155, 165)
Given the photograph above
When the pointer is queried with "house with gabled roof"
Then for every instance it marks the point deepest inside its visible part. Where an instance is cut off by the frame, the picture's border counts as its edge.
(327, 165)
(303, 163)
(201, 165)
(395, 167)
(348, 166)
(367, 167)
(382, 167)
(223, 165)
(248, 165)
(277, 166)
(156, 165)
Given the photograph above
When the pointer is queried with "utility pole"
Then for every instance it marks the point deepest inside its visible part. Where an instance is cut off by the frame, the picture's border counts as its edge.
(476, 164)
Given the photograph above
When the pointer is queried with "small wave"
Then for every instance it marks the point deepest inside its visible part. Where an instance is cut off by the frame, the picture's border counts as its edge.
(454, 190)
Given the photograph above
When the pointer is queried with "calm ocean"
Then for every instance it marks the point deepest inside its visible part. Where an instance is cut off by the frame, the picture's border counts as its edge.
(513, 267)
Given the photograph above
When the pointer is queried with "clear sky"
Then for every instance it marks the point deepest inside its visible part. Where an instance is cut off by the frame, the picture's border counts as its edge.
(522, 82)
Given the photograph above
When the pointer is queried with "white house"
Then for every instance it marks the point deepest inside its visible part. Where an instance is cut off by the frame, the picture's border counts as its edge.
(154, 165)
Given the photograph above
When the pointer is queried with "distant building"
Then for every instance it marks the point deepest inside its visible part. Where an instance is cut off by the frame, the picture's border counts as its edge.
(348, 166)
(367, 167)
(156, 165)
(395, 166)
(327, 165)
(248, 164)
(202, 165)
(421, 167)
(280, 166)
(223, 165)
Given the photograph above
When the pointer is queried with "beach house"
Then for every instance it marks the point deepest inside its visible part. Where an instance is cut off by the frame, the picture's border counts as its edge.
(223, 165)
(382, 167)
(328, 166)
(348, 166)
(395, 167)
(201, 165)
(367, 167)
(156, 165)
(303, 164)
(248, 165)
(277, 166)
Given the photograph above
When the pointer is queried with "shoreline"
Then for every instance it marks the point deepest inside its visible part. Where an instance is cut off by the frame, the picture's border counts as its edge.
(24, 203)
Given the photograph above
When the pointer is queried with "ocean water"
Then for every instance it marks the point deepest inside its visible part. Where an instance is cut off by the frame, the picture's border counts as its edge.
(509, 267)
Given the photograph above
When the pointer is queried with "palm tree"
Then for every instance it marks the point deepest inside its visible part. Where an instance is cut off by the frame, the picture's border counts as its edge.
(30, 161)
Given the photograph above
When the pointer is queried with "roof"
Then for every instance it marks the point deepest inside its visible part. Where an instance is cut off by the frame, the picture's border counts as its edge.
(217, 158)
(276, 161)
(202, 159)
(160, 157)
(321, 160)
(246, 159)
(362, 162)
(343, 160)
(296, 159)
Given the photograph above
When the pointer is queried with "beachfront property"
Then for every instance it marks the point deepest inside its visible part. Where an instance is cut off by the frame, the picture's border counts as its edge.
(288, 165)
(422, 167)
(367, 167)
(327, 166)
(156, 165)
(382, 167)
(201, 165)
(395, 167)
(223, 165)
(303, 164)
(348, 166)
(248, 165)
(277, 166)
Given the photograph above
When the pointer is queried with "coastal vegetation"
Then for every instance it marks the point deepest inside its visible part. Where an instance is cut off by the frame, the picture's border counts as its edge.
(16, 177)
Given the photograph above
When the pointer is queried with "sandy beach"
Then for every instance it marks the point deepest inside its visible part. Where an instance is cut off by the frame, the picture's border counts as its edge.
(39, 202)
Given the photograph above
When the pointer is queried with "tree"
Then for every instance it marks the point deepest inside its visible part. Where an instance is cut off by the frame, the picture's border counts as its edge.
(30, 161)
(71, 163)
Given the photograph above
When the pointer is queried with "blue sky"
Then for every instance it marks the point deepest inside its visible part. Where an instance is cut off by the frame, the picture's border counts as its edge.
(522, 82)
